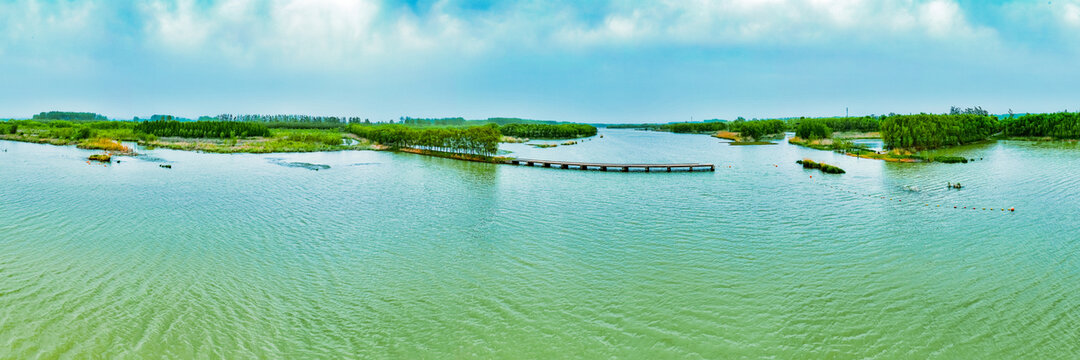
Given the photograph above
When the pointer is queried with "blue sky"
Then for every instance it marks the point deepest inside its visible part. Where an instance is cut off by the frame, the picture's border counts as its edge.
(589, 61)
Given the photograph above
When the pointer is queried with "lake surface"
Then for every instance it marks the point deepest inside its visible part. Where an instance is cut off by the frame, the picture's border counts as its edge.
(387, 255)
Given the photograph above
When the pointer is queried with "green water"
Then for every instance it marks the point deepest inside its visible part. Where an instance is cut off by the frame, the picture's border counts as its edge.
(389, 255)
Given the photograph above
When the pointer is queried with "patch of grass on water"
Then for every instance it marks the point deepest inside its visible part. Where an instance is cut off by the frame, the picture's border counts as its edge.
(826, 168)
(104, 144)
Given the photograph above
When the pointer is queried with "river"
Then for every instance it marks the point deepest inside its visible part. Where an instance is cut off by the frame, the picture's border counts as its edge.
(389, 255)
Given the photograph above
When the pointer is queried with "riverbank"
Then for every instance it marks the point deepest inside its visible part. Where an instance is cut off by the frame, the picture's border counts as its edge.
(895, 155)
(280, 141)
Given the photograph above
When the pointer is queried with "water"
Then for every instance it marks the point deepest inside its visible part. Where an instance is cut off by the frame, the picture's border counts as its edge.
(387, 255)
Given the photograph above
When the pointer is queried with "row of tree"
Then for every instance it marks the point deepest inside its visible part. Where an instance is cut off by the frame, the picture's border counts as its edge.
(547, 131)
(812, 129)
(479, 140)
(929, 131)
(842, 124)
(456, 121)
(695, 127)
(460, 121)
(202, 129)
(8, 128)
(756, 129)
(288, 118)
(1062, 125)
(69, 116)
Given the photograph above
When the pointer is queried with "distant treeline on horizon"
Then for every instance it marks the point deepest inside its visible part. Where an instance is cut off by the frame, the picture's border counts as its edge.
(959, 125)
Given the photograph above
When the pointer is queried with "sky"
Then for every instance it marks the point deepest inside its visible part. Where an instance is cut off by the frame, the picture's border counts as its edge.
(610, 61)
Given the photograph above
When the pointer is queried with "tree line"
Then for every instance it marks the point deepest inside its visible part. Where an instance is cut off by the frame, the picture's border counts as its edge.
(460, 121)
(842, 124)
(1062, 125)
(479, 140)
(757, 129)
(283, 118)
(694, 127)
(929, 131)
(813, 129)
(202, 129)
(546, 131)
(69, 116)
(8, 128)
(291, 121)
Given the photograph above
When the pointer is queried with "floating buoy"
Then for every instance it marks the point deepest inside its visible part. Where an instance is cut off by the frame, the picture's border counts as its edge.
(1012, 209)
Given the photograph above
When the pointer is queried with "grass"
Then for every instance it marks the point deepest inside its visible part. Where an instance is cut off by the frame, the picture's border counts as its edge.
(733, 136)
(857, 135)
(280, 141)
(895, 155)
(826, 168)
(104, 144)
(101, 157)
(513, 140)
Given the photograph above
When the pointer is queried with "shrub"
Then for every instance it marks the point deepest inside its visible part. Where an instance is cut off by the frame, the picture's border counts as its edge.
(826, 168)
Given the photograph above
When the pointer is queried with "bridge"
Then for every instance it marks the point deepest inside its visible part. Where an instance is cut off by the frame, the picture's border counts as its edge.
(607, 167)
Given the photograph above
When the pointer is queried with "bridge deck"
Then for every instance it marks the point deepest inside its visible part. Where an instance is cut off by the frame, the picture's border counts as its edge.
(607, 166)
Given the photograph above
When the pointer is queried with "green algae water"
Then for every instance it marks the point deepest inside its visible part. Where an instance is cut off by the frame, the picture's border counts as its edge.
(386, 255)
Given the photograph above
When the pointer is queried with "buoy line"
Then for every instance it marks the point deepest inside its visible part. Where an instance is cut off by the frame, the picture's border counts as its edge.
(897, 198)
(925, 204)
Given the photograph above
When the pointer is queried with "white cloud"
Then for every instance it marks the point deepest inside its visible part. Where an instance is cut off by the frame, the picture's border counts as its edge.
(777, 22)
(53, 35)
(342, 33)
(1071, 15)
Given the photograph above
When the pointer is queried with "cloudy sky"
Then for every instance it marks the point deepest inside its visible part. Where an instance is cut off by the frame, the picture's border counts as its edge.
(590, 61)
